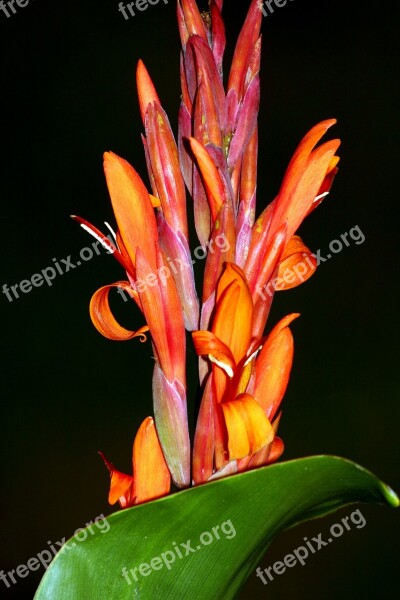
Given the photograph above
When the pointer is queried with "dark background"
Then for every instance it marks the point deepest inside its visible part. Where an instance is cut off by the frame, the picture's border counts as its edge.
(68, 94)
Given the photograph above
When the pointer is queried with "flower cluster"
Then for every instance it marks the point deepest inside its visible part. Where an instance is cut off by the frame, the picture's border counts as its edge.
(243, 374)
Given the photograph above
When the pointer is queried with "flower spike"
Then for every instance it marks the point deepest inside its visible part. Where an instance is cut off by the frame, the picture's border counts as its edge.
(243, 373)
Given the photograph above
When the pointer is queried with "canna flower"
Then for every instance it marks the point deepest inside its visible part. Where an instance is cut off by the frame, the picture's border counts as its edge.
(246, 384)
(243, 374)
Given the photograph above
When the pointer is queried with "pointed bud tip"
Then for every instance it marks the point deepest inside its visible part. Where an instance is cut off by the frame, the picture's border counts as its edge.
(145, 87)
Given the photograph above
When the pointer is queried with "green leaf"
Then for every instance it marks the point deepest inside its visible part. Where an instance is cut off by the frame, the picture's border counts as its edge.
(250, 510)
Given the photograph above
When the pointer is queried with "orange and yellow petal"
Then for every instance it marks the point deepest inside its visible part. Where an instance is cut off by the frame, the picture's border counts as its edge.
(232, 322)
(132, 208)
(248, 428)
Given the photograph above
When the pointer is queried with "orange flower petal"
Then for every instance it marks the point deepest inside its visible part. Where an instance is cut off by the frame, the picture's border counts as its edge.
(120, 485)
(132, 208)
(249, 429)
(273, 366)
(234, 311)
(294, 208)
(213, 184)
(151, 475)
(263, 456)
(326, 184)
(276, 451)
(163, 312)
(208, 344)
(104, 320)
(303, 179)
(296, 266)
(301, 156)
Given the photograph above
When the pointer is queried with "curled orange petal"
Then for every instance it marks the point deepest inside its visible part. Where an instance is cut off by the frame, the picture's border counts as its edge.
(208, 344)
(104, 320)
(297, 264)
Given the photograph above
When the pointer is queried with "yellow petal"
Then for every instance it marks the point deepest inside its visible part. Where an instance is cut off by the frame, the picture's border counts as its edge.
(156, 202)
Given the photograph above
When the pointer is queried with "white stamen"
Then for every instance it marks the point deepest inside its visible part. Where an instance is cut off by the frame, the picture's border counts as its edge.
(109, 247)
(227, 368)
(111, 230)
(252, 356)
(319, 197)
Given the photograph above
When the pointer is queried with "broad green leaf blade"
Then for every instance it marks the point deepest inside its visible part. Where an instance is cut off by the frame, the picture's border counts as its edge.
(244, 511)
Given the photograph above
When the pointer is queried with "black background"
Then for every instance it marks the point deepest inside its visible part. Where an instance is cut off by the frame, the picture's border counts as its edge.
(68, 94)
